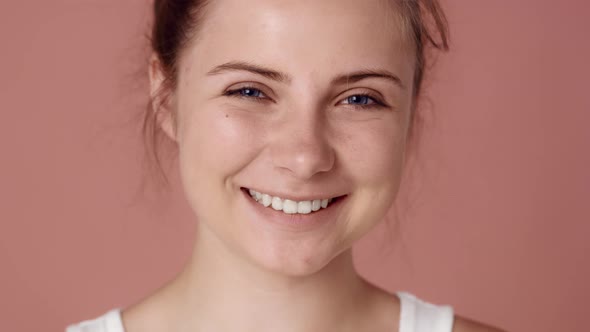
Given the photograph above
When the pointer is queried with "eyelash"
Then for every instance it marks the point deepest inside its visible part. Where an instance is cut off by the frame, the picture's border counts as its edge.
(377, 103)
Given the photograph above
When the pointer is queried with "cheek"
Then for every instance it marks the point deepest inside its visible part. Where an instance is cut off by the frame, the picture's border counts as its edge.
(374, 153)
(219, 140)
(374, 160)
(215, 144)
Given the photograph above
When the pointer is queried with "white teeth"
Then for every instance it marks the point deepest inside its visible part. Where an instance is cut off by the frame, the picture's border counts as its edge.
(304, 207)
(289, 206)
(316, 204)
(277, 203)
(266, 200)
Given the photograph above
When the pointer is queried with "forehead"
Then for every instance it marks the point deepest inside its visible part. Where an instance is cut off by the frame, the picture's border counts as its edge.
(302, 36)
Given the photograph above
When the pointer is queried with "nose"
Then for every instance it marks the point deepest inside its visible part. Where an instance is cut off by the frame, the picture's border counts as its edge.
(300, 146)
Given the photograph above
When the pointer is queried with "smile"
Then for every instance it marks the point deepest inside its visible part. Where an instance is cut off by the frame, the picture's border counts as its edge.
(290, 206)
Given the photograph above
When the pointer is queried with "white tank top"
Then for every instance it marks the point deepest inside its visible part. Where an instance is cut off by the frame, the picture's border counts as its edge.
(416, 316)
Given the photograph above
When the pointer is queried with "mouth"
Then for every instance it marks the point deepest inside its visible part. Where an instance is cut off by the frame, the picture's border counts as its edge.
(291, 206)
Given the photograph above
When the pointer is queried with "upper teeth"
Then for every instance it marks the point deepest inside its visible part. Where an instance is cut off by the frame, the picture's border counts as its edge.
(289, 206)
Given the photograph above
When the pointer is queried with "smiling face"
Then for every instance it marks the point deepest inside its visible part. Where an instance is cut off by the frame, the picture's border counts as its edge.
(297, 103)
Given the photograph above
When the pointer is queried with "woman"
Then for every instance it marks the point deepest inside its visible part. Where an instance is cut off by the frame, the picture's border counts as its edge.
(291, 119)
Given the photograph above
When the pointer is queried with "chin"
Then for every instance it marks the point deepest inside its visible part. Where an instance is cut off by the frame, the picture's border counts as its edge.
(296, 259)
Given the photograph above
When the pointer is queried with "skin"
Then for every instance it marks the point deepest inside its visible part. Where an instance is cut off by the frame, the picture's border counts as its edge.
(304, 138)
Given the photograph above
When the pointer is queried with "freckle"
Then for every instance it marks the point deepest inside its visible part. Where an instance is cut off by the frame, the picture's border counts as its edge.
(227, 116)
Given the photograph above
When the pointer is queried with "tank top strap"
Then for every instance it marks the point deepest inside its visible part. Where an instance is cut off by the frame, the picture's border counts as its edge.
(109, 322)
(417, 315)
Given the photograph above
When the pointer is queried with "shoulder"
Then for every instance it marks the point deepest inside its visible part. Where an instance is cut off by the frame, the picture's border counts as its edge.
(462, 324)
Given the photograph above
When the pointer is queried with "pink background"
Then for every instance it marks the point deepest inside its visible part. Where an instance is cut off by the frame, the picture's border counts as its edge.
(499, 228)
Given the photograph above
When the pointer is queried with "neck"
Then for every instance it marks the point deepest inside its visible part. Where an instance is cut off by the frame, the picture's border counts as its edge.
(221, 291)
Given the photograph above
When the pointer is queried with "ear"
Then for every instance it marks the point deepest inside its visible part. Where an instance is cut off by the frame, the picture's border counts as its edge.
(162, 100)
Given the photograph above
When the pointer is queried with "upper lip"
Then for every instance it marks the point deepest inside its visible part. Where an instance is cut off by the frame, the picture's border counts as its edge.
(297, 197)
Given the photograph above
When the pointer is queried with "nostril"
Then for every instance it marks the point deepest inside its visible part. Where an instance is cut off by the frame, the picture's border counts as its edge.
(302, 158)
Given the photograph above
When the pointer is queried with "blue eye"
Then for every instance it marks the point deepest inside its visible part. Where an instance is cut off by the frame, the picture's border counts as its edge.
(360, 100)
(364, 101)
(246, 92)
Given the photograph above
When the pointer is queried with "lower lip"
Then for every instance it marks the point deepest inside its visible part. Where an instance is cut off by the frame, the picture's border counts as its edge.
(296, 221)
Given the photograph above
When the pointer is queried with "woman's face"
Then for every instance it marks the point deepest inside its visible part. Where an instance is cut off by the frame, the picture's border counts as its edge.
(301, 101)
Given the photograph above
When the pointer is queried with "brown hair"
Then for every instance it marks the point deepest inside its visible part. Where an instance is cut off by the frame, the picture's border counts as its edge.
(176, 21)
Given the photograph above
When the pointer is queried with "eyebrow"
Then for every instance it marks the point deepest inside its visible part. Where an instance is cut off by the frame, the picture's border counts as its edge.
(256, 69)
(285, 78)
(368, 73)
